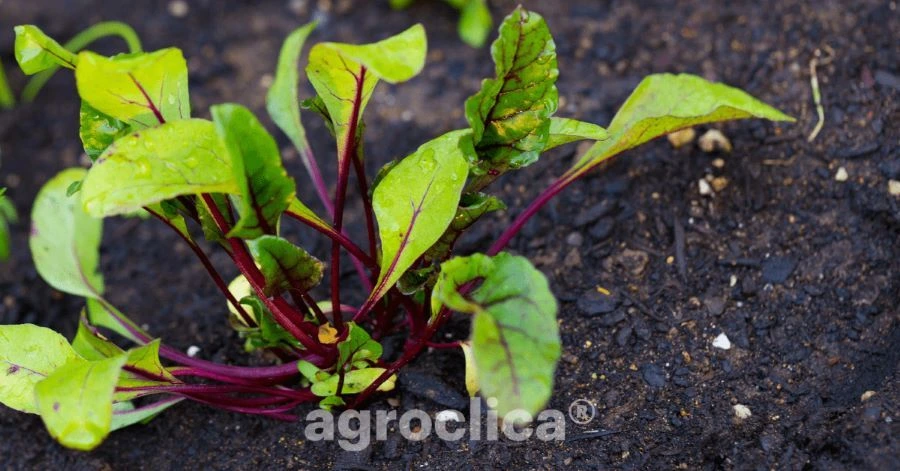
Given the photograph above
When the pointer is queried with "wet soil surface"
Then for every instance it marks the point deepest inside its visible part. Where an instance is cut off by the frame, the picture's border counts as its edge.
(796, 265)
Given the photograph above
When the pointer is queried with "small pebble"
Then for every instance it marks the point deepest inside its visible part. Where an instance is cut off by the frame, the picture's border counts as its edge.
(866, 396)
(778, 269)
(722, 341)
(714, 140)
(575, 239)
(841, 175)
(653, 375)
(718, 163)
(682, 137)
(704, 187)
(894, 187)
(193, 350)
(742, 412)
(719, 183)
(178, 8)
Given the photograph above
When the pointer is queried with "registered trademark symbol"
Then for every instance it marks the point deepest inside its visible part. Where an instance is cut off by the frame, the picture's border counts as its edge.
(582, 411)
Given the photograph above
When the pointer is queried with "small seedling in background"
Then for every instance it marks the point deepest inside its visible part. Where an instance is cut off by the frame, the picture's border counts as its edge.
(475, 21)
(222, 180)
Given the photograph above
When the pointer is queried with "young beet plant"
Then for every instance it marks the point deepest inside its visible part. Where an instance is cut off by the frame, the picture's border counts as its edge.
(223, 179)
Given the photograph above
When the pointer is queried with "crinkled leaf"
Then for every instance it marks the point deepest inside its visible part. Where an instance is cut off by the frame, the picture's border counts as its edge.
(355, 381)
(266, 189)
(565, 130)
(282, 101)
(664, 103)
(515, 338)
(29, 354)
(475, 23)
(510, 115)
(99, 130)
(472, 206)
(344, 76)
(148, 166)
(285, 265)
(125, 414)
(36, 52)
(358, 346)
(143, 89)
(65, 241)
(415, 203)
(76, 400)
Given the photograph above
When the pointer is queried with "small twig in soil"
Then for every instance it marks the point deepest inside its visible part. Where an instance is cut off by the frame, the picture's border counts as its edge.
(817, 94)
(592, 434)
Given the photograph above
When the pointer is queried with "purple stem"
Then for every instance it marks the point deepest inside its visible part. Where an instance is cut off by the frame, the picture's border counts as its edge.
(312, 167)
(560, 184)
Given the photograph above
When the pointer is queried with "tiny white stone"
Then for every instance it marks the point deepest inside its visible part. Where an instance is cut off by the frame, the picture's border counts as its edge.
(732, 281)
(866, 396)
(448, 416)
(742, 412)
(193, 350)
(178, 8)
(704, 187)
(721, 341)
(841, 175)
(894, 187)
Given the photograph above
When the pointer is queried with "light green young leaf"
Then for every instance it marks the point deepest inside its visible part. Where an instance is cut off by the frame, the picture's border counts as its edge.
(65, 241)
(415, 203)
(268, 333)
(355, 381)
(99, 130)
(142, 89)
(91, 344)
(301, 211)
(179, 158)
(565, 130)
(285, 266)
(664, 103)
(28, 354)
(282, 101)
(475, 23)
(36, 52)
(344, 76)
(510, 115)
(515, 338)
(76, 401)
(266, 189)
(125, 414)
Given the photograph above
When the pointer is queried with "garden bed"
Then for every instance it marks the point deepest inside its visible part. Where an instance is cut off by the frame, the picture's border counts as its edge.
(799, 270)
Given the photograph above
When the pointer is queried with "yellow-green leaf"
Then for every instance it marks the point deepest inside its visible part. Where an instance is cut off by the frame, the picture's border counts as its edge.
(142, 89)
(29, 354)
(64, 240)
(179, 158)
(36, 52)
(664, 103)
(565, 130)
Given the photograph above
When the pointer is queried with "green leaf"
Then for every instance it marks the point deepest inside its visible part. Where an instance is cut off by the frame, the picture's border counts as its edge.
(208, 223)
(472, 206)
(76, 400)
(565, 130)
(285, 265)
(266, 189)
(65, 241)
(510, 115)
(142, 89)
(91, 344)
(515, 338)
(400, 4)
(125, 414)
(148, 166)
(7, 216)
(358, 346)
(28, 354)
(664, 103)
(415, 203)
(36, 52)
(99, 130)
(355, 381)
(268, 334)
(301, 211)
(475, 23)
(344, 76)
(282, 101)
(168, 211)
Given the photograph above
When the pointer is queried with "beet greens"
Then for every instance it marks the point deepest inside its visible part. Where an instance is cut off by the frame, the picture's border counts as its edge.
(222, 180)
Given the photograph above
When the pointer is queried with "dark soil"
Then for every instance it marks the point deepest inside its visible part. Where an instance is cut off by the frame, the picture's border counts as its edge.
(800, 271)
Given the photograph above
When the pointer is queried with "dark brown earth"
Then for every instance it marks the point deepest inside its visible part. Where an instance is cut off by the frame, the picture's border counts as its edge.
(800, 271)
